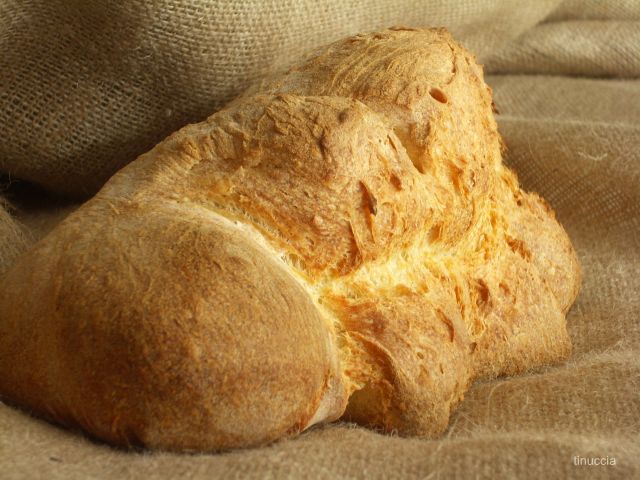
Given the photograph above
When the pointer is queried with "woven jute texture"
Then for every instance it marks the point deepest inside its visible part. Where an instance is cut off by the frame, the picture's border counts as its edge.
(86, 87)
(12, 237)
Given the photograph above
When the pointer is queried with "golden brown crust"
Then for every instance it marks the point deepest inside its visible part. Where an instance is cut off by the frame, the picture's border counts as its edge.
(430, 91)
(345, 231)
(284, 161)
(141, 339)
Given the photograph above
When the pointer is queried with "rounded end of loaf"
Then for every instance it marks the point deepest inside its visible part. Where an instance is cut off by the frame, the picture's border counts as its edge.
(171, 328)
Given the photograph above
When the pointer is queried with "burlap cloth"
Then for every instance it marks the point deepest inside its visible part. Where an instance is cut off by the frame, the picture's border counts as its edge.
(85, 87)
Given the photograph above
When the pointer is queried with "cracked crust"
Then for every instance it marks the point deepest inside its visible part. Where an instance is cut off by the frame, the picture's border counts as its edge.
(343, 239)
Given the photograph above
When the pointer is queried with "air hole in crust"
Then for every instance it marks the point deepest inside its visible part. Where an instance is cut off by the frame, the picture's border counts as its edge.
(459, 300)
(449, 324)
(413, 152)
(482, 292)
(456, 176)
(519, 247)
(396, 182)
(438, 95)
(435, 233)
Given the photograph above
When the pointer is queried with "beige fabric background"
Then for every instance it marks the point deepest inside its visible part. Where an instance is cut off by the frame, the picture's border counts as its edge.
(86, 86)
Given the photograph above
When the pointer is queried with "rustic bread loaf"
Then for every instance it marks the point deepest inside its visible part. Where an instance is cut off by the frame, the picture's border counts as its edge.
(342, 240)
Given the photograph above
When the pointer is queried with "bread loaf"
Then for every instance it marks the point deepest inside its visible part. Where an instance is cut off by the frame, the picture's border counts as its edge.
(343, 240)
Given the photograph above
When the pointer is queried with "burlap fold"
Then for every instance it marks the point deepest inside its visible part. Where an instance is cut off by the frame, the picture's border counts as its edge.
(12, 238)
(89, 86)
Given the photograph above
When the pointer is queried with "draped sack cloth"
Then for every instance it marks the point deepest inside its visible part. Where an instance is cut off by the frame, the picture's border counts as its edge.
(85, 87)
